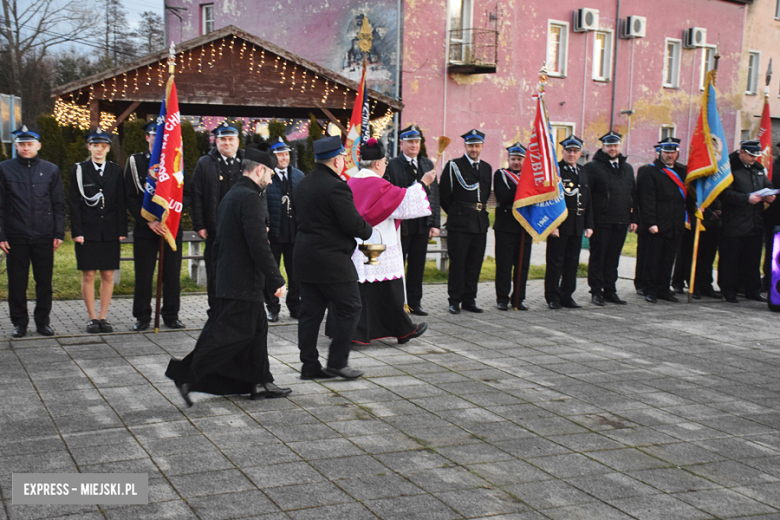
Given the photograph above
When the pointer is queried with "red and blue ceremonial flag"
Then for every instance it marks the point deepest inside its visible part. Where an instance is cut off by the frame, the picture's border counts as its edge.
(539, 204)
(709, 169)
(359, 129)
(165, 180)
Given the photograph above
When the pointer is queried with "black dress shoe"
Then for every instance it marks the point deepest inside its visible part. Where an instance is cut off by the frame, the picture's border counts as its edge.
(502, 306)
(141, 325)
(713, 294)
(105, 326)
(614, 298)
(678, 289)
(521, 306)
(273, 316)
(472, 307)
(417, 310)
(454, 309)
(598, 299)
(174, 324)
(554, 305)
(571, 304)
(93, 326)
(669, 298)
(696, 295)
(45, 330)
(295, 314)
(732, 299)
(421, 328)
(756, 297)
(650, 298)
(346, 372)
(317, 375)
(20, 331)
(184, 390)
(268, 391)
(640, 292)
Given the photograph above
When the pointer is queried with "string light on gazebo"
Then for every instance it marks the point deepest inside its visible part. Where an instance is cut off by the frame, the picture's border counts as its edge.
(73, 114)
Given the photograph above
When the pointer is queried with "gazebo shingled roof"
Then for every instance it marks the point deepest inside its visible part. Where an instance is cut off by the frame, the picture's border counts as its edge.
(227, 72)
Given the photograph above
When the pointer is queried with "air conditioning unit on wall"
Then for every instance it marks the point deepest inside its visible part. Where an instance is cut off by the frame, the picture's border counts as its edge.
(636, 27)
(695, 37)
(586, 20)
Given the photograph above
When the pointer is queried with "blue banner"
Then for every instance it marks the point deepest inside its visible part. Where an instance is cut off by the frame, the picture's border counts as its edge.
(150, 207)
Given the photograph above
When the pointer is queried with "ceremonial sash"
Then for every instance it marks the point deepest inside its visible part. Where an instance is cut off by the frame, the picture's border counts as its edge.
(680, 186)
(514, 177)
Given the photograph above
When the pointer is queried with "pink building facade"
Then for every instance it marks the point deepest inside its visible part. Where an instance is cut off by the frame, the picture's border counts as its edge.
(656, 83)
(652, 89)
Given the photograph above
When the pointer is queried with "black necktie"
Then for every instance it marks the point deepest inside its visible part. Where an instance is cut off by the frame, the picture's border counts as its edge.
(476, 165)
(230, 161)
(616, 165)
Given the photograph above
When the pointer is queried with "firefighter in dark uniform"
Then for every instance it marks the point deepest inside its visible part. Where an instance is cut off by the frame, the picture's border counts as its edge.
(662, 200)
(146, 245)
(403, 171)
(214, 174)
(565, 243)
(743, 225)
(613, 189)
(464, 191)
(509, 234)
(641, 253)
(32, 226)
(282, 228)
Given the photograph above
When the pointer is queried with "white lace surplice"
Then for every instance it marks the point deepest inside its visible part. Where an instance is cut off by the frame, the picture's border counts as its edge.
(391, 261)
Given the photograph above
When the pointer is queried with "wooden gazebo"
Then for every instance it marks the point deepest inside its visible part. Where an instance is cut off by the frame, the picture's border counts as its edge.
(228, 72)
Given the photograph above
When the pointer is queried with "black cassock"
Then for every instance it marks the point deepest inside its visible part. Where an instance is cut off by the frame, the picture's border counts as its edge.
(231, 355)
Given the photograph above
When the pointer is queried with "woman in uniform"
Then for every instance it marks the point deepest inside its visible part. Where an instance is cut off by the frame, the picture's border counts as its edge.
(98, 222)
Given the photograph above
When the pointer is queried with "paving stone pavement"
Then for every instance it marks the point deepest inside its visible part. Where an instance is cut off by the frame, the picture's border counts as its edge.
(667, 411)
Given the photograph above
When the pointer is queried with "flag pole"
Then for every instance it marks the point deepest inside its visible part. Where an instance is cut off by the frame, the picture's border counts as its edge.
(171, 72)
(699, 216)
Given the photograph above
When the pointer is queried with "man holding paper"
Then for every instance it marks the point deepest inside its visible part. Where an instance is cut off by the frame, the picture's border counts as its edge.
(743, 224)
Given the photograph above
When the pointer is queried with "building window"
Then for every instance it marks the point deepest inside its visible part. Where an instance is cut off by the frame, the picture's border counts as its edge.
(777, 10)
(707, 64)
(672, 63)
(557, 43)
(207, 18)
(667, 131)
(754, 60)
(560, 131)
(461, 15)
(602, 52)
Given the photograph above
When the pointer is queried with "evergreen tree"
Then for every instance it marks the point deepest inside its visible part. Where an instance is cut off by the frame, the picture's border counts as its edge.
(276, 130)
(189, 139)
(53, 147)
(306, 160)
(204, 143)
(135, 137)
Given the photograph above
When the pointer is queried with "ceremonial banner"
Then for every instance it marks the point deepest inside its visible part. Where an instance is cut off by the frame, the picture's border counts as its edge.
(358, 128)
(709, 170)
(539, 204)
(165, 180)
(765, 136)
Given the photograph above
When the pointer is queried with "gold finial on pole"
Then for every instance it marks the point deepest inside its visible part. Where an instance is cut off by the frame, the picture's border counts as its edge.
(172, 58)
(543, 77)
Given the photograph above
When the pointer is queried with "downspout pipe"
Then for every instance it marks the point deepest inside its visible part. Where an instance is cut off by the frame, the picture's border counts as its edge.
(614, 66)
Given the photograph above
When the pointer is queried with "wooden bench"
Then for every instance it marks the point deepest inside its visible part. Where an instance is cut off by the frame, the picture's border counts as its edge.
(440, 248)
(197, 264)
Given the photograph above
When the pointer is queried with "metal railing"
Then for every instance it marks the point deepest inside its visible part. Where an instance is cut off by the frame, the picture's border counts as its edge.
(473, 50)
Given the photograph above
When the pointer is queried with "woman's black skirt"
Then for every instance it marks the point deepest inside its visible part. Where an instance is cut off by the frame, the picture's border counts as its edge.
(97, 256)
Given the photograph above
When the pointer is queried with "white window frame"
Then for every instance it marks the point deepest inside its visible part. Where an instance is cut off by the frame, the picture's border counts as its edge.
(561, 125)
(597, 76)
(563, 52)
(204, 25)
(704, 63)
(752, 76)
(671, 131)
(461, 46)
(675, 83)
(777, 10)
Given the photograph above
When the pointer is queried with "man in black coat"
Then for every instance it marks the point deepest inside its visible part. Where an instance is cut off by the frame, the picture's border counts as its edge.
(743, 225)
(662, 199)
(463, 192)
(214, 174)
(146, 245)
(403, 171)
(32, 226)
(565, 243)
(510, 235)
(612, 189)
(231, 355)
(282, 231)
(328, 223)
